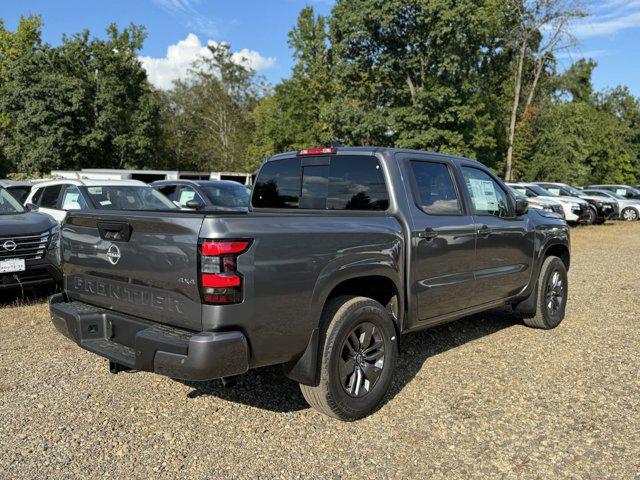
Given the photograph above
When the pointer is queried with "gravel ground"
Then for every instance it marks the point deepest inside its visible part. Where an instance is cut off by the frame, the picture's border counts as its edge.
(483, 397)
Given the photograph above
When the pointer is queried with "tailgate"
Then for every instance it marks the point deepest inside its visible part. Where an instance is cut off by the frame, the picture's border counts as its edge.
(143, 264)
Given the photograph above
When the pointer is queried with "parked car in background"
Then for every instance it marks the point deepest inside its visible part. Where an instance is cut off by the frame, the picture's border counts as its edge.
(538, 203)
(601, 209)
(575, 209)
(58, 197)
(207, 195)
(342, 251)
(629, 208)
(19, 190)
(29, 245)
(624, 190)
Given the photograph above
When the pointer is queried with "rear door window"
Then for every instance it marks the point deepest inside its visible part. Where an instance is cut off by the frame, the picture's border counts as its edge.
(73, 199)
(437, 194)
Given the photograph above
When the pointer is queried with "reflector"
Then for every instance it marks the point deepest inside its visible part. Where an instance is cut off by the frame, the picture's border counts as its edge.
(215, 281)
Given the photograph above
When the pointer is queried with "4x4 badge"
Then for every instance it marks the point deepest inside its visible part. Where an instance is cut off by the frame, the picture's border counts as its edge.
(113, 254)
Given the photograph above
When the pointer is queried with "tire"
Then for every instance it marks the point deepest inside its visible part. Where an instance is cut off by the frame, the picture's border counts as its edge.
(629, 214)
(591, 217)
(342, 395)
(550, 311)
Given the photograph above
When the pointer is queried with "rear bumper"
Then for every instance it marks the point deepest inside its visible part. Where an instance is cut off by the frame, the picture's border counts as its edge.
(149, 346)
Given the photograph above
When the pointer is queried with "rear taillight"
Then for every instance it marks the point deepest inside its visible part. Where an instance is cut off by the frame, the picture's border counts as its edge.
(220, 281)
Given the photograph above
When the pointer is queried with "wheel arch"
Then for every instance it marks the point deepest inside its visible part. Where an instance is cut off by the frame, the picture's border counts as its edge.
(381, 285)
(556, 248)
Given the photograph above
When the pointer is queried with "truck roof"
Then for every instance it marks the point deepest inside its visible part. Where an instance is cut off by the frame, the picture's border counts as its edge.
(373, 150)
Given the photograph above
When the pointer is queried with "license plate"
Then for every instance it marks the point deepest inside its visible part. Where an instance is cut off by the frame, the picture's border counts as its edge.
(12, 265)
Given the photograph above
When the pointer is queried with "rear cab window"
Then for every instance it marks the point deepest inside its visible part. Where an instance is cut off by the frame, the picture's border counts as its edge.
(340, 182)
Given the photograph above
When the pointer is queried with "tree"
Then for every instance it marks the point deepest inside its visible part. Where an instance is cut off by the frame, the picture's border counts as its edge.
(295, 116)
(209, 123)
(412, 74)
(84, 103)
(581, 139)
(544, 27)
(13, 45)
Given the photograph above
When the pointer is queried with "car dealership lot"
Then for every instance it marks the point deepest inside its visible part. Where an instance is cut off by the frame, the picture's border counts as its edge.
(484, 396)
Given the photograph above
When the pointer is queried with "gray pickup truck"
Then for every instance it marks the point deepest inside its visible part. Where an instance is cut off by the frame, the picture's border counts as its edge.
(342, 251)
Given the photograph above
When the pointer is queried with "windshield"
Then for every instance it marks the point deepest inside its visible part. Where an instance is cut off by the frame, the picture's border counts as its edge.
(518, 190)
(8, 204)
(227, 195)
(604, 194)
(127, 197)
(573, 191)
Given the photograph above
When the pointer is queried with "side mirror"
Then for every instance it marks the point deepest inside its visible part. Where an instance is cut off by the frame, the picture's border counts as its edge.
(522, 206)
(194, 204)
(32, 207)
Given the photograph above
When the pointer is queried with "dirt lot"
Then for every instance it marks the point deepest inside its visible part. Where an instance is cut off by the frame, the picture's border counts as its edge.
(483, 397)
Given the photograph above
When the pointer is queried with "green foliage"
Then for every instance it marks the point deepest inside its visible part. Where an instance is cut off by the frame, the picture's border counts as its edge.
(208, 121)
(579, 143)
(84, 103)
(425, 74)
(412, 73)
(294, 116)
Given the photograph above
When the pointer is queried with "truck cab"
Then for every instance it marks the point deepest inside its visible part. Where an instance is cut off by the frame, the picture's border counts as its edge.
(341, 251)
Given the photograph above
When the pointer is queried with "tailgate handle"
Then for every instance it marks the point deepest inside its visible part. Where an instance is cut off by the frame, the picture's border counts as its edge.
(115, 231)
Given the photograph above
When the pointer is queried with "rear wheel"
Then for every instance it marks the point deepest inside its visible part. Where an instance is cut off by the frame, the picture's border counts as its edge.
(551, 295)
(629, 214)
(359, 348)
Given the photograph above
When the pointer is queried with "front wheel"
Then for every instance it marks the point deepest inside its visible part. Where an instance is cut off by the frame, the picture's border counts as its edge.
(551, 295)
(590, 216)
(629, 214)
(359, 348)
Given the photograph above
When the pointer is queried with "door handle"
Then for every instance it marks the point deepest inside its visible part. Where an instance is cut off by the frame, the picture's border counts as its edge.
(428, 233)
(484, 231)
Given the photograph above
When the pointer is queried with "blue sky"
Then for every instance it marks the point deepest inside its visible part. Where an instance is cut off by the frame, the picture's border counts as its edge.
(178, 30)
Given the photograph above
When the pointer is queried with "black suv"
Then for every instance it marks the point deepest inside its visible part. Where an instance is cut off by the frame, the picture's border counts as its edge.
(29, 245)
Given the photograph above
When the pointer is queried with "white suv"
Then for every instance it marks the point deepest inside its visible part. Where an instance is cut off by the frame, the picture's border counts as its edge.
(57, 197)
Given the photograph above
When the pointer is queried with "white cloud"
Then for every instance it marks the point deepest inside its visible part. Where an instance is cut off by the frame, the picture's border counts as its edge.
(609, 17)
(598, 28)
(180, 56)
